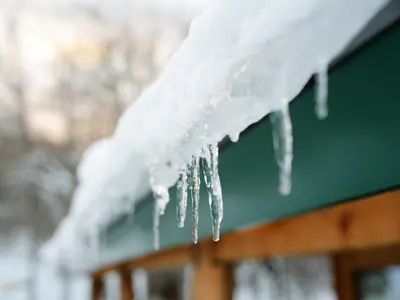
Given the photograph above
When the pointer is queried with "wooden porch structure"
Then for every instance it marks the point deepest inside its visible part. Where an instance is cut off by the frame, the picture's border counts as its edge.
(359, 234)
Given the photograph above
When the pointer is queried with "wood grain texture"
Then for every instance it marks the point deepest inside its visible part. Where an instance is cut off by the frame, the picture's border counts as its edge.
(168, 259)
(212, 280)
(371, 222)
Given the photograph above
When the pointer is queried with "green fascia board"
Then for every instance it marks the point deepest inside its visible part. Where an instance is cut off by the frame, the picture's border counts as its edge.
(354, 152)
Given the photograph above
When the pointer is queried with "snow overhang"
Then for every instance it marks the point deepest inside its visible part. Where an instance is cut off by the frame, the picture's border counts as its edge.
(217, 84)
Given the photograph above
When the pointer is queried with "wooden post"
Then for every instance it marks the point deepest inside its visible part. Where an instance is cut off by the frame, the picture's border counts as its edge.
(364, 224)
(97, 288)
(126, 285)
(211, 280)
(347, 264)
(344, 281)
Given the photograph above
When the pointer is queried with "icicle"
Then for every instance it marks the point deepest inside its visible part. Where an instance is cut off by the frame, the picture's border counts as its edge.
(217, 203)
(182, 197)
(195, 195)
(213, 183)
(321, 108)
(283, 147)
(156, 225)
(234, 137)
(161, 199)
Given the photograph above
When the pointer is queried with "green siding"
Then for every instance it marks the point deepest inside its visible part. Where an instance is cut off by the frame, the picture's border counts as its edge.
(354, 152)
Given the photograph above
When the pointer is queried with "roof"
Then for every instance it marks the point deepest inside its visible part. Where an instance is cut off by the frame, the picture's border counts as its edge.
(352, 153)
(166, 126)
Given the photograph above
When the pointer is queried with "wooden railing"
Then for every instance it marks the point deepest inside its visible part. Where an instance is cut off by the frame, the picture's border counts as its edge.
(366, 223)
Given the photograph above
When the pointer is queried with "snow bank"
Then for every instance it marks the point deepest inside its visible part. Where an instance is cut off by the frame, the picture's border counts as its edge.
(241, 61)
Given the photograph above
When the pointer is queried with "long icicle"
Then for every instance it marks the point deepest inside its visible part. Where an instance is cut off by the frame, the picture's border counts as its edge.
(156, 225)
(195, 195)
(217, 207)
(321, 98)
(213, 183)
(182, 197)
(283, 147)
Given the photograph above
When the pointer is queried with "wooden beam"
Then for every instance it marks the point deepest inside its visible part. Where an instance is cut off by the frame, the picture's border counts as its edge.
(97, 288)
(127, 292)
(168, 259)
(370, 222)
(162, 260)
(373, 258)
(366, 223)
(211, 281)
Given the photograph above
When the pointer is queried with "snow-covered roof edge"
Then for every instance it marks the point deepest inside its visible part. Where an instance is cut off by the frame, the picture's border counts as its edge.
(240, 62)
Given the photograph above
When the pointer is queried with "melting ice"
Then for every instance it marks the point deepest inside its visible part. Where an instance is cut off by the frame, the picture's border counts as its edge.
(156, 226)
(321, 108)
(182, 196)
(213, 183)
(161, 199)
(194, 188)
(283, 146)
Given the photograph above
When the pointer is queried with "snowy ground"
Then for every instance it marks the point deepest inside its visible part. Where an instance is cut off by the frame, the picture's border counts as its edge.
(16, 274)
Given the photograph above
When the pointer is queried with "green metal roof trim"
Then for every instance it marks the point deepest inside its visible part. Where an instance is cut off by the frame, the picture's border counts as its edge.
(355, 151)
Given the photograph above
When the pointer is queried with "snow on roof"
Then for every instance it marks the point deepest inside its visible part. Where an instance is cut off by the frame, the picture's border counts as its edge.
(241, 61)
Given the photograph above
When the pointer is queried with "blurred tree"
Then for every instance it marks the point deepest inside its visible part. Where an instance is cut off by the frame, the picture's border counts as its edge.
(46, 124)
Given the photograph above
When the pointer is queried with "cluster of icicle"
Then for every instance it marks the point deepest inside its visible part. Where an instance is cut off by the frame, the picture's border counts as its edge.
(189, 184)
(189, 176)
